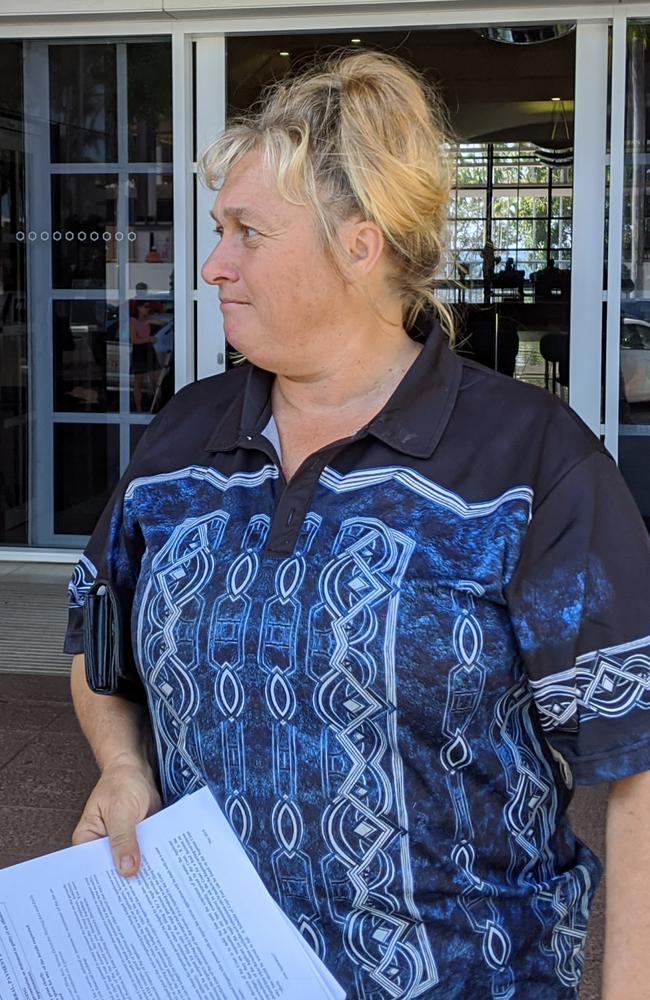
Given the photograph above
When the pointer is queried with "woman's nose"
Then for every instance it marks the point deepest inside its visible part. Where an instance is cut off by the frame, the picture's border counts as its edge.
(217, 268)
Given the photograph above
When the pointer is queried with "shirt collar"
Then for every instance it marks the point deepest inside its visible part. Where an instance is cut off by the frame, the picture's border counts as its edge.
(412, 421)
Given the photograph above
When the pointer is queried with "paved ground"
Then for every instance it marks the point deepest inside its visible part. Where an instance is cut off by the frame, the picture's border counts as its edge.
(46, 772)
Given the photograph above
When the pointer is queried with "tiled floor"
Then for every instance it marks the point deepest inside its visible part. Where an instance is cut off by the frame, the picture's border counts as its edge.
(46, 772)
(46, 768)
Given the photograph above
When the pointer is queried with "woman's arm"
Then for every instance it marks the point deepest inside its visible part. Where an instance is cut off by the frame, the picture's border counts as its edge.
(119, 735)
(627, 941)
(159, 319)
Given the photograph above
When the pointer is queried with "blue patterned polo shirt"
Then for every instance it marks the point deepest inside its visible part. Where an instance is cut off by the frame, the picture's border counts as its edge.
(391, 670)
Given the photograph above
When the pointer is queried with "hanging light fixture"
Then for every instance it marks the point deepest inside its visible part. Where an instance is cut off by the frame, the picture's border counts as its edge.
(533, 34)
(558, 151)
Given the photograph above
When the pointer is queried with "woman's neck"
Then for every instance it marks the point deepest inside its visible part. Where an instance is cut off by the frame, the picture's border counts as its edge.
(347, 382)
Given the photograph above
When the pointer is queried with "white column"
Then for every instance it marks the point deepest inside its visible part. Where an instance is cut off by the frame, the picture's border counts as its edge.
(184, 362)
(588, 221)
(210, 120)
(615, 234)
(39, 291)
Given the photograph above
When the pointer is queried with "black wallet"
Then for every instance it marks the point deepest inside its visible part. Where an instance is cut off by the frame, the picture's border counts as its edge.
(108, 666)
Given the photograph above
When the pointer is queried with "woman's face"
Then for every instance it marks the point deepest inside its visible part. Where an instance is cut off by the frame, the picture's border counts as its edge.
(280, 294)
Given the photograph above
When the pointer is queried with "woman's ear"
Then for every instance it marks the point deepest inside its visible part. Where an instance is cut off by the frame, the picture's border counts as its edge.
(364, 245)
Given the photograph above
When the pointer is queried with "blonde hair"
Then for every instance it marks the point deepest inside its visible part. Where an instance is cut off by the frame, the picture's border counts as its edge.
(363, 134)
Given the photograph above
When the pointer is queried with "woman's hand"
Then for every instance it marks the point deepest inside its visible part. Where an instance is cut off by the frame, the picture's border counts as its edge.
(125, 794)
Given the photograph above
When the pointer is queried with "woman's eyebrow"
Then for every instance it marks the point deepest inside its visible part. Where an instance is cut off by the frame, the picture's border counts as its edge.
(234, 212)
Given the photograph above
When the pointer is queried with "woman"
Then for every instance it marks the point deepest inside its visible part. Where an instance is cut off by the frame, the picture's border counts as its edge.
(143, 358)
(374, 601)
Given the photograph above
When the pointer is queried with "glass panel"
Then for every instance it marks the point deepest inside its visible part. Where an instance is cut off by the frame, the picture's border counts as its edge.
(505, 174)
(533, 173)
(470, 233)
(151, 249)
(86, 356)
(83, 103)
(149, 69)
(135, 435)
(151, 336)
(505, 206)
(83, 242)
(14, 412)
(634, 382)
(471, 167)
(86, 462)
(470, 206)
(96, 179)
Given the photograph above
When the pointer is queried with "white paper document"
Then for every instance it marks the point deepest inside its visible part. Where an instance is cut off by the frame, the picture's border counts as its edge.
(196, 922)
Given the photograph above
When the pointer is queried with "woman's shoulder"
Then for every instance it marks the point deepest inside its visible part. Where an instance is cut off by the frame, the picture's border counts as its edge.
(519, 406)
(198, 407)
(531, 431)
(179, 435)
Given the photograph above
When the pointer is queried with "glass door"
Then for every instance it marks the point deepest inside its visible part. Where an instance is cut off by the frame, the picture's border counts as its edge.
(634, 378)
(14, 408)
(508, 274)
(99, 253)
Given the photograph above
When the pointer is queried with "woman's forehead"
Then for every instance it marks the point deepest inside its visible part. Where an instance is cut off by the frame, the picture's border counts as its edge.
(247, 183)
(250, 194)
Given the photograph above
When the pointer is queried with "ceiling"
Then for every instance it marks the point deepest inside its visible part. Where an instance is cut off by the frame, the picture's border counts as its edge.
(494, 91)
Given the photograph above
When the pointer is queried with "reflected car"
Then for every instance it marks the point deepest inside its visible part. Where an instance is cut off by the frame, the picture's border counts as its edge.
(635, 359)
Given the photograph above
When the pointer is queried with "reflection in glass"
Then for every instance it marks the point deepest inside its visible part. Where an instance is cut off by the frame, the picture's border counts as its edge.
(509, 274)
(136, 433)
(634, 381)
(86, 464)
(83, 103)
(14, 413)
(151, 336)
(86, 356)
(151, 252)
(84, 244)
(105, 156)
(149, 69)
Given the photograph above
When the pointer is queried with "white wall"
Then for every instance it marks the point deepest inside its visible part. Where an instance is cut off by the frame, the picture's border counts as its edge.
(509, 12)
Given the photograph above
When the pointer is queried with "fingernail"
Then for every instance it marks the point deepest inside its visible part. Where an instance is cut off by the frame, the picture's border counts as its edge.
(127, 864)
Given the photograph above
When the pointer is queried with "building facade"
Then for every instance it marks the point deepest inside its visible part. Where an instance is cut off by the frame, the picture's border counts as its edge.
(103, 222)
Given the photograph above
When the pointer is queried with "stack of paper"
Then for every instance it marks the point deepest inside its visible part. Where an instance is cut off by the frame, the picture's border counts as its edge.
(195, 923)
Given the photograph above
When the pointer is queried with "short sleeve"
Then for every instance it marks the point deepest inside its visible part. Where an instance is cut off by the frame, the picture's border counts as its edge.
(579, 603)
(114, 553)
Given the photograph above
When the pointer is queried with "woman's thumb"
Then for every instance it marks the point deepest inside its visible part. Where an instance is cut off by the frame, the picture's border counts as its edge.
(124, 847)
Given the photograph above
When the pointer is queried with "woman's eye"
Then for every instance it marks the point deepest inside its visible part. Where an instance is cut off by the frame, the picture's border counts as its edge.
(218, 231)
(249, 233)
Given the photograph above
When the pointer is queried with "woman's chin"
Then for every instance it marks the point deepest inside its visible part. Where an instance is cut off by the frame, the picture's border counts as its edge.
(250, 348)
